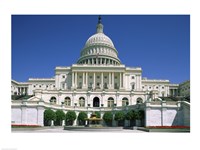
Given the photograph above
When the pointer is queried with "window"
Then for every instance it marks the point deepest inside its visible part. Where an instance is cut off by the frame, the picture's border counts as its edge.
(110, 102)
(47, 86)
(98, 77)
(63, 76)
(139, 100)
(116, 86)
(163, 87)
(82, 102)
(67, 101)
(40, 86)
(150, 87)
(105, 77)
(90, 77)
(115, 77)
(80, 85)
(125, 101)
(54, 86)
(53, 100)
(157, 87)
(105, 86)
(133, 77)
(34, 86)
(80, 77)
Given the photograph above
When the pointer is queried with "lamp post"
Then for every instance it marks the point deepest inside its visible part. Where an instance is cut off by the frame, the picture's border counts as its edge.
(87, 123)
(114, 105)
(127, 103)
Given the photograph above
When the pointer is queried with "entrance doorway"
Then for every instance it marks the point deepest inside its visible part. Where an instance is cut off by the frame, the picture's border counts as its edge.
(96, 102)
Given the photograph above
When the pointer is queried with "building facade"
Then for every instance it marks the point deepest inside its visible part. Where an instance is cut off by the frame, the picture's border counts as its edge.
(98, 81)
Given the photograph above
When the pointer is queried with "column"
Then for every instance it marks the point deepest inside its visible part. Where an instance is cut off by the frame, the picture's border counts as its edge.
(86, 80)
(102, 80)
(113, 80)
(109, 80)
(120, 80)
(92, 61)
(73, 79)
(94, 83)
(123, 80)
(83, 84)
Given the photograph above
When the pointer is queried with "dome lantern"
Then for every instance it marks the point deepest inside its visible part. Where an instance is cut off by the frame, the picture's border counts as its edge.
(99, 26)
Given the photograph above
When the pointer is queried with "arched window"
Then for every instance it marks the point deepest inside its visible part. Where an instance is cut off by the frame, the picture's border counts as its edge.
(82, 102)
(110, 102)
(53, 100)
(139, 100)
(125, 101)
(67, 101)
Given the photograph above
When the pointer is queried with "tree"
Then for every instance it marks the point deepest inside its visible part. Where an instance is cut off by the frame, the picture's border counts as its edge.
(120, 116)
(70, 117)
(108, 117)
(98, 114)
(81, 118)
(60, 116)
(139, 115)
(130, 115)
(49, 115)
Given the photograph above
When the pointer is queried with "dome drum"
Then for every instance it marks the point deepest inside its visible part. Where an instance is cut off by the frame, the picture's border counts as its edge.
(99, 61)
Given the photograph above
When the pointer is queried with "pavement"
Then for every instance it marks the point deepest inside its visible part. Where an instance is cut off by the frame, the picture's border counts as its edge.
(61, 130)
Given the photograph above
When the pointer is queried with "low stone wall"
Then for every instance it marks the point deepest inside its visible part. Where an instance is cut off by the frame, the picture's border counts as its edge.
(167, 115)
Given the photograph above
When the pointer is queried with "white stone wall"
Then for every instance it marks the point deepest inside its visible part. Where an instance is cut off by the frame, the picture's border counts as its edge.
(27, 115)
(16, 115)
(168, 115)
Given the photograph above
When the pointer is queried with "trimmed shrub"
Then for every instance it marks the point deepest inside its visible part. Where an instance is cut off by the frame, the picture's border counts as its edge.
(130, 115)
(49, 115)
(81, 118)
(70, 117)
(108, 117)
(98, 115)
(139, 115)
(120, 115)
(60, 116)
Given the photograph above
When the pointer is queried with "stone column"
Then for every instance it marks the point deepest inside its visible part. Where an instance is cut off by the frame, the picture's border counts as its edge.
(75, 79)
(123, 80)
(94, 83)
(102, 80)
(120, 80)
(113, 80)
(86, 80)
(40, 115)
(109, 80)
(83, 85)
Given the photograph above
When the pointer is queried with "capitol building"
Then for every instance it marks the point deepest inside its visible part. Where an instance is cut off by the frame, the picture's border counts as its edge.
(98, 81)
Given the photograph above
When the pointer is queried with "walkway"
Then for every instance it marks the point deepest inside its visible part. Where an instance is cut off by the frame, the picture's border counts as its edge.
(61, 130)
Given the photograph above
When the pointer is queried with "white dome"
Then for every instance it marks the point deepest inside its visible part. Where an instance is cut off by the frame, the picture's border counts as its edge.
(99, 39)
(99, 49)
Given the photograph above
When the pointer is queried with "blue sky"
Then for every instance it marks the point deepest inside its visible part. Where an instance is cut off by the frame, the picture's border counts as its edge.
(159, 44)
